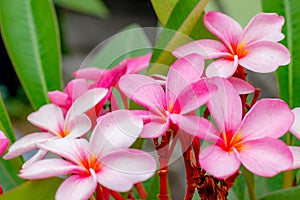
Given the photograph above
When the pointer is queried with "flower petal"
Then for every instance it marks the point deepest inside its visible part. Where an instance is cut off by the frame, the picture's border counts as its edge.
(144, 90)
(115, 130)
(128, 167)
(225, 105)
(208, 49)
(78, 126)
(76, 187)
(263, 27)
(243, 87)
(267, 118)
(77, 87)
(223, 26)
(296, 156)
(48, 168)
(49, 117)
(218, 162)
(138, 64)
(295, 129)
(39, 155)
(265, 57)
(27, 143)
(266, 157)
(196, 126)
(58, 98)
(90, 73)
(221, 67)
(4, 142)
(154, 129)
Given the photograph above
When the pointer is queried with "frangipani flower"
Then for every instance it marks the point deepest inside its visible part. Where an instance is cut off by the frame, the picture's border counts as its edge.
(251, 141)
(184, 93)
(4, 142)
(254, 48)
(50, 119)
(295, 129)
(106, 160)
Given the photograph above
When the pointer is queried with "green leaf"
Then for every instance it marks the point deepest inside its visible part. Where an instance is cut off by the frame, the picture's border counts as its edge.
(289, 193)
(9, 170)
(288, 76)
(163, 9)
(152, 187)
(30, 33)
(129, 42)
(5, 124)
(184, 25)
(37, 190)
(90, 7)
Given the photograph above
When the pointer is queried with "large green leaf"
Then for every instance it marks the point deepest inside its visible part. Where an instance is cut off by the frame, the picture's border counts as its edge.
(90, 7)
(163, 9)
(289, 193)
(37, 190)
(184, 25)
(288, 76)
(30, 33)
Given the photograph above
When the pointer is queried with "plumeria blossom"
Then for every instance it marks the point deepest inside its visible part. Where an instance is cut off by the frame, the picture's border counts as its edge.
(251, 141)
(106, 160)
(4, 142)
(295, 129)
(50, 119)
(183, 94)
(254, 48)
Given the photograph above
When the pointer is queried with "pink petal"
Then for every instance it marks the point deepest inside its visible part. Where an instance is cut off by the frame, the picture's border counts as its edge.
(48, 117)
(208, 49)
(48, 168)
(225, 105)
(58, 98)
(154, 129)
(196, 126)
(128, 167)
(183, 72)
(263, 27)
(78, 126)
(295, 129)
(115, 130)
(243, 87)
(40, 154)
(266, 157)
(143, 90)
(76, 88)
(222, 68)
(91, 73)
(223, 26)
(27, 143)
(265, 57)
(138, 64)
(76, 187)
(218, 162)
(296, 156)
(267, 118)
(4, 142)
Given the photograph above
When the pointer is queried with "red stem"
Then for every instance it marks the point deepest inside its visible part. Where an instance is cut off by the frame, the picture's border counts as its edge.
(116, 195)
(141, 190)
(99, 193)
(163, 182)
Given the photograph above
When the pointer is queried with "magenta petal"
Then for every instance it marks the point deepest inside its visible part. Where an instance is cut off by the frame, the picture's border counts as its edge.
(267, 118)
(76, 187)
(115, 130)
(138, 64)
(265, 57)
(58, 98)
(225, 105)
(263, 27)
(128, 167)
(208, 49)
(154, 129)
(77, 87)
(296, 156)
(266, 157)
(196, 126)
(91, 73)
(4, 142)
(48, 168)
(144, 90)
(243, 87)
(295, 129)
(223, 26)
(222, 68)
(27, 143)
(218, 162)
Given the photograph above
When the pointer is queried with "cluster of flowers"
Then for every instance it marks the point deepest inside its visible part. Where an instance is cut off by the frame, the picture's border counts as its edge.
(93, 143)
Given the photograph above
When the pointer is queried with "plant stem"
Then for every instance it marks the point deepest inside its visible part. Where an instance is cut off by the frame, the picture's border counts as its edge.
(99, 193)
(249, 178)
(141, 190)
(288, 177)
(163, 180)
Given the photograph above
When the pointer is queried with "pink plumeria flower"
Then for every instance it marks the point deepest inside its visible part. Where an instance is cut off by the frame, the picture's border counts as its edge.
(106, 160)
(295, 129)
(183, 94)
(254, 48)
(251, 141)
(4, 142)
(50, 119)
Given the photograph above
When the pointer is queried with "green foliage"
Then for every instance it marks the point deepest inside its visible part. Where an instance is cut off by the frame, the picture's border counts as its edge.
(30, 33)
(37, 190)
(163, 9)
(90, 7)
(289, 193)
(5, 124)
(184, 25)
